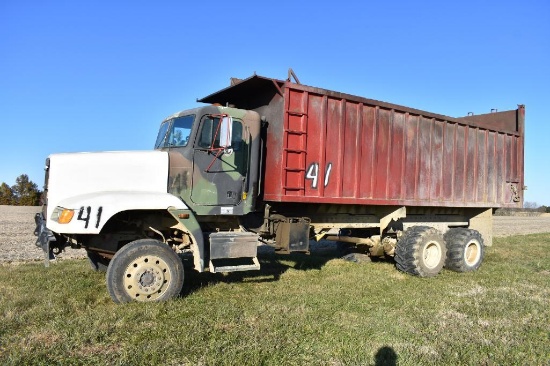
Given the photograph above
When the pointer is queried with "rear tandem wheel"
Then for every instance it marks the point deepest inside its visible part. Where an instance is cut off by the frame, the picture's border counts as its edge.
(421, 251)
(465, 249)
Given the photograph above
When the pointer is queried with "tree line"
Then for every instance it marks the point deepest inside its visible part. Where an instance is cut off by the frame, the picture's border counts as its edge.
(23, 193)
(529, 207)
(535, 207)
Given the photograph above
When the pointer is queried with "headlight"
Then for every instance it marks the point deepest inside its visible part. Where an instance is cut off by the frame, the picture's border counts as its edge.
(62, 215)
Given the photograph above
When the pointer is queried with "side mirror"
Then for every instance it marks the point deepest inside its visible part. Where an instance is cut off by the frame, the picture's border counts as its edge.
(226, 131)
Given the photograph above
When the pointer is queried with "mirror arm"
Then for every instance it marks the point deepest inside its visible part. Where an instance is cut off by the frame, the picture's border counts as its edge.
(219, 152)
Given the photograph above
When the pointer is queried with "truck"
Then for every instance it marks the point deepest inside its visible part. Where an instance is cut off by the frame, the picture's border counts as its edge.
(275, 162)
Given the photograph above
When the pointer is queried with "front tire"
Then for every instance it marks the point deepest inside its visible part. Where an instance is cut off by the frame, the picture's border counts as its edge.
(144, 270)
(421, 251)
(465, 250)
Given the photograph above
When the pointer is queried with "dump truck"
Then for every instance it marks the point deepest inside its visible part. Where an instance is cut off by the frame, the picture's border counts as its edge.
(275, 162)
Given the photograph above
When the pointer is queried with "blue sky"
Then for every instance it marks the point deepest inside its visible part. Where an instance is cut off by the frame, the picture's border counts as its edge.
(101, 75)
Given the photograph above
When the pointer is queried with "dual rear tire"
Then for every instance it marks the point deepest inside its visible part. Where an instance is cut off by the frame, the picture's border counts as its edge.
(465, 250)
(423, 251)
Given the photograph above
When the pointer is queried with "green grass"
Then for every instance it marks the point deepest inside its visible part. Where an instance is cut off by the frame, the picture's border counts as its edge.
(298, 310)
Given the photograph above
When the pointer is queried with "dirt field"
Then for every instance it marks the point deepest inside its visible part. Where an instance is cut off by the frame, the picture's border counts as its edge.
(515, 225)
(17, 238)
(17, 227)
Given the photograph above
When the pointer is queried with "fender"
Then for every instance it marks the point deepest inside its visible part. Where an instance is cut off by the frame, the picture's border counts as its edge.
(188, 220)
(93, 210)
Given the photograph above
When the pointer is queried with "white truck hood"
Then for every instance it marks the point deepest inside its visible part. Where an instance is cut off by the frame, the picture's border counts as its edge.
(77, 174)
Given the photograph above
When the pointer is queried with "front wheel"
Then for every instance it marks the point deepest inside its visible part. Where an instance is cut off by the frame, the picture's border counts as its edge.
(465, 249)
(421, 251)
(144, 270)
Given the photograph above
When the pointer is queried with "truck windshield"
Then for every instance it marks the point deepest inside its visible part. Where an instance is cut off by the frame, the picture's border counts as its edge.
(175, 132)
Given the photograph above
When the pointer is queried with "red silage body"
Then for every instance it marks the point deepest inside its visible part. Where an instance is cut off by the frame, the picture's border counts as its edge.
(328, 147)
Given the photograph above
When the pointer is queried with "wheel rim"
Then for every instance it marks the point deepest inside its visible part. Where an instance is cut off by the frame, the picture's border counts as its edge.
(432, 255)
(146, 278)
(472, 252)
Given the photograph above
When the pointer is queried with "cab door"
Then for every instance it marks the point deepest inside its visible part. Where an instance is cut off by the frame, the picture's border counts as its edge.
(220, 172)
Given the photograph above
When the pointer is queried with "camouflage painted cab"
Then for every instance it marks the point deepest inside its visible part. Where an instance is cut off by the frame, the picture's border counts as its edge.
(214, 166)
(214, 169)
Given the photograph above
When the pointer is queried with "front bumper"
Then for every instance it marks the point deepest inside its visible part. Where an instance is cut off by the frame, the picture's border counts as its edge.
(44, 238)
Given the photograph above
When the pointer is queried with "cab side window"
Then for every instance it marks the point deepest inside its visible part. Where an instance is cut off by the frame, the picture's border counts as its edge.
(208, 131)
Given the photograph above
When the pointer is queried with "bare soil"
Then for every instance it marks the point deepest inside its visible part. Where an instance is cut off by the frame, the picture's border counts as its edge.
(17, 241)
(519, 225)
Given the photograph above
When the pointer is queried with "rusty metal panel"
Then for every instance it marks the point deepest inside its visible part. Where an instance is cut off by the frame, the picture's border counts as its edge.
(448, 156)
(410, 179)
(333, 155)
(492, 168)
(347, 150)
(368, 148)
(316, 126)
(396, 165)
(500, 168)
(460, 163)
